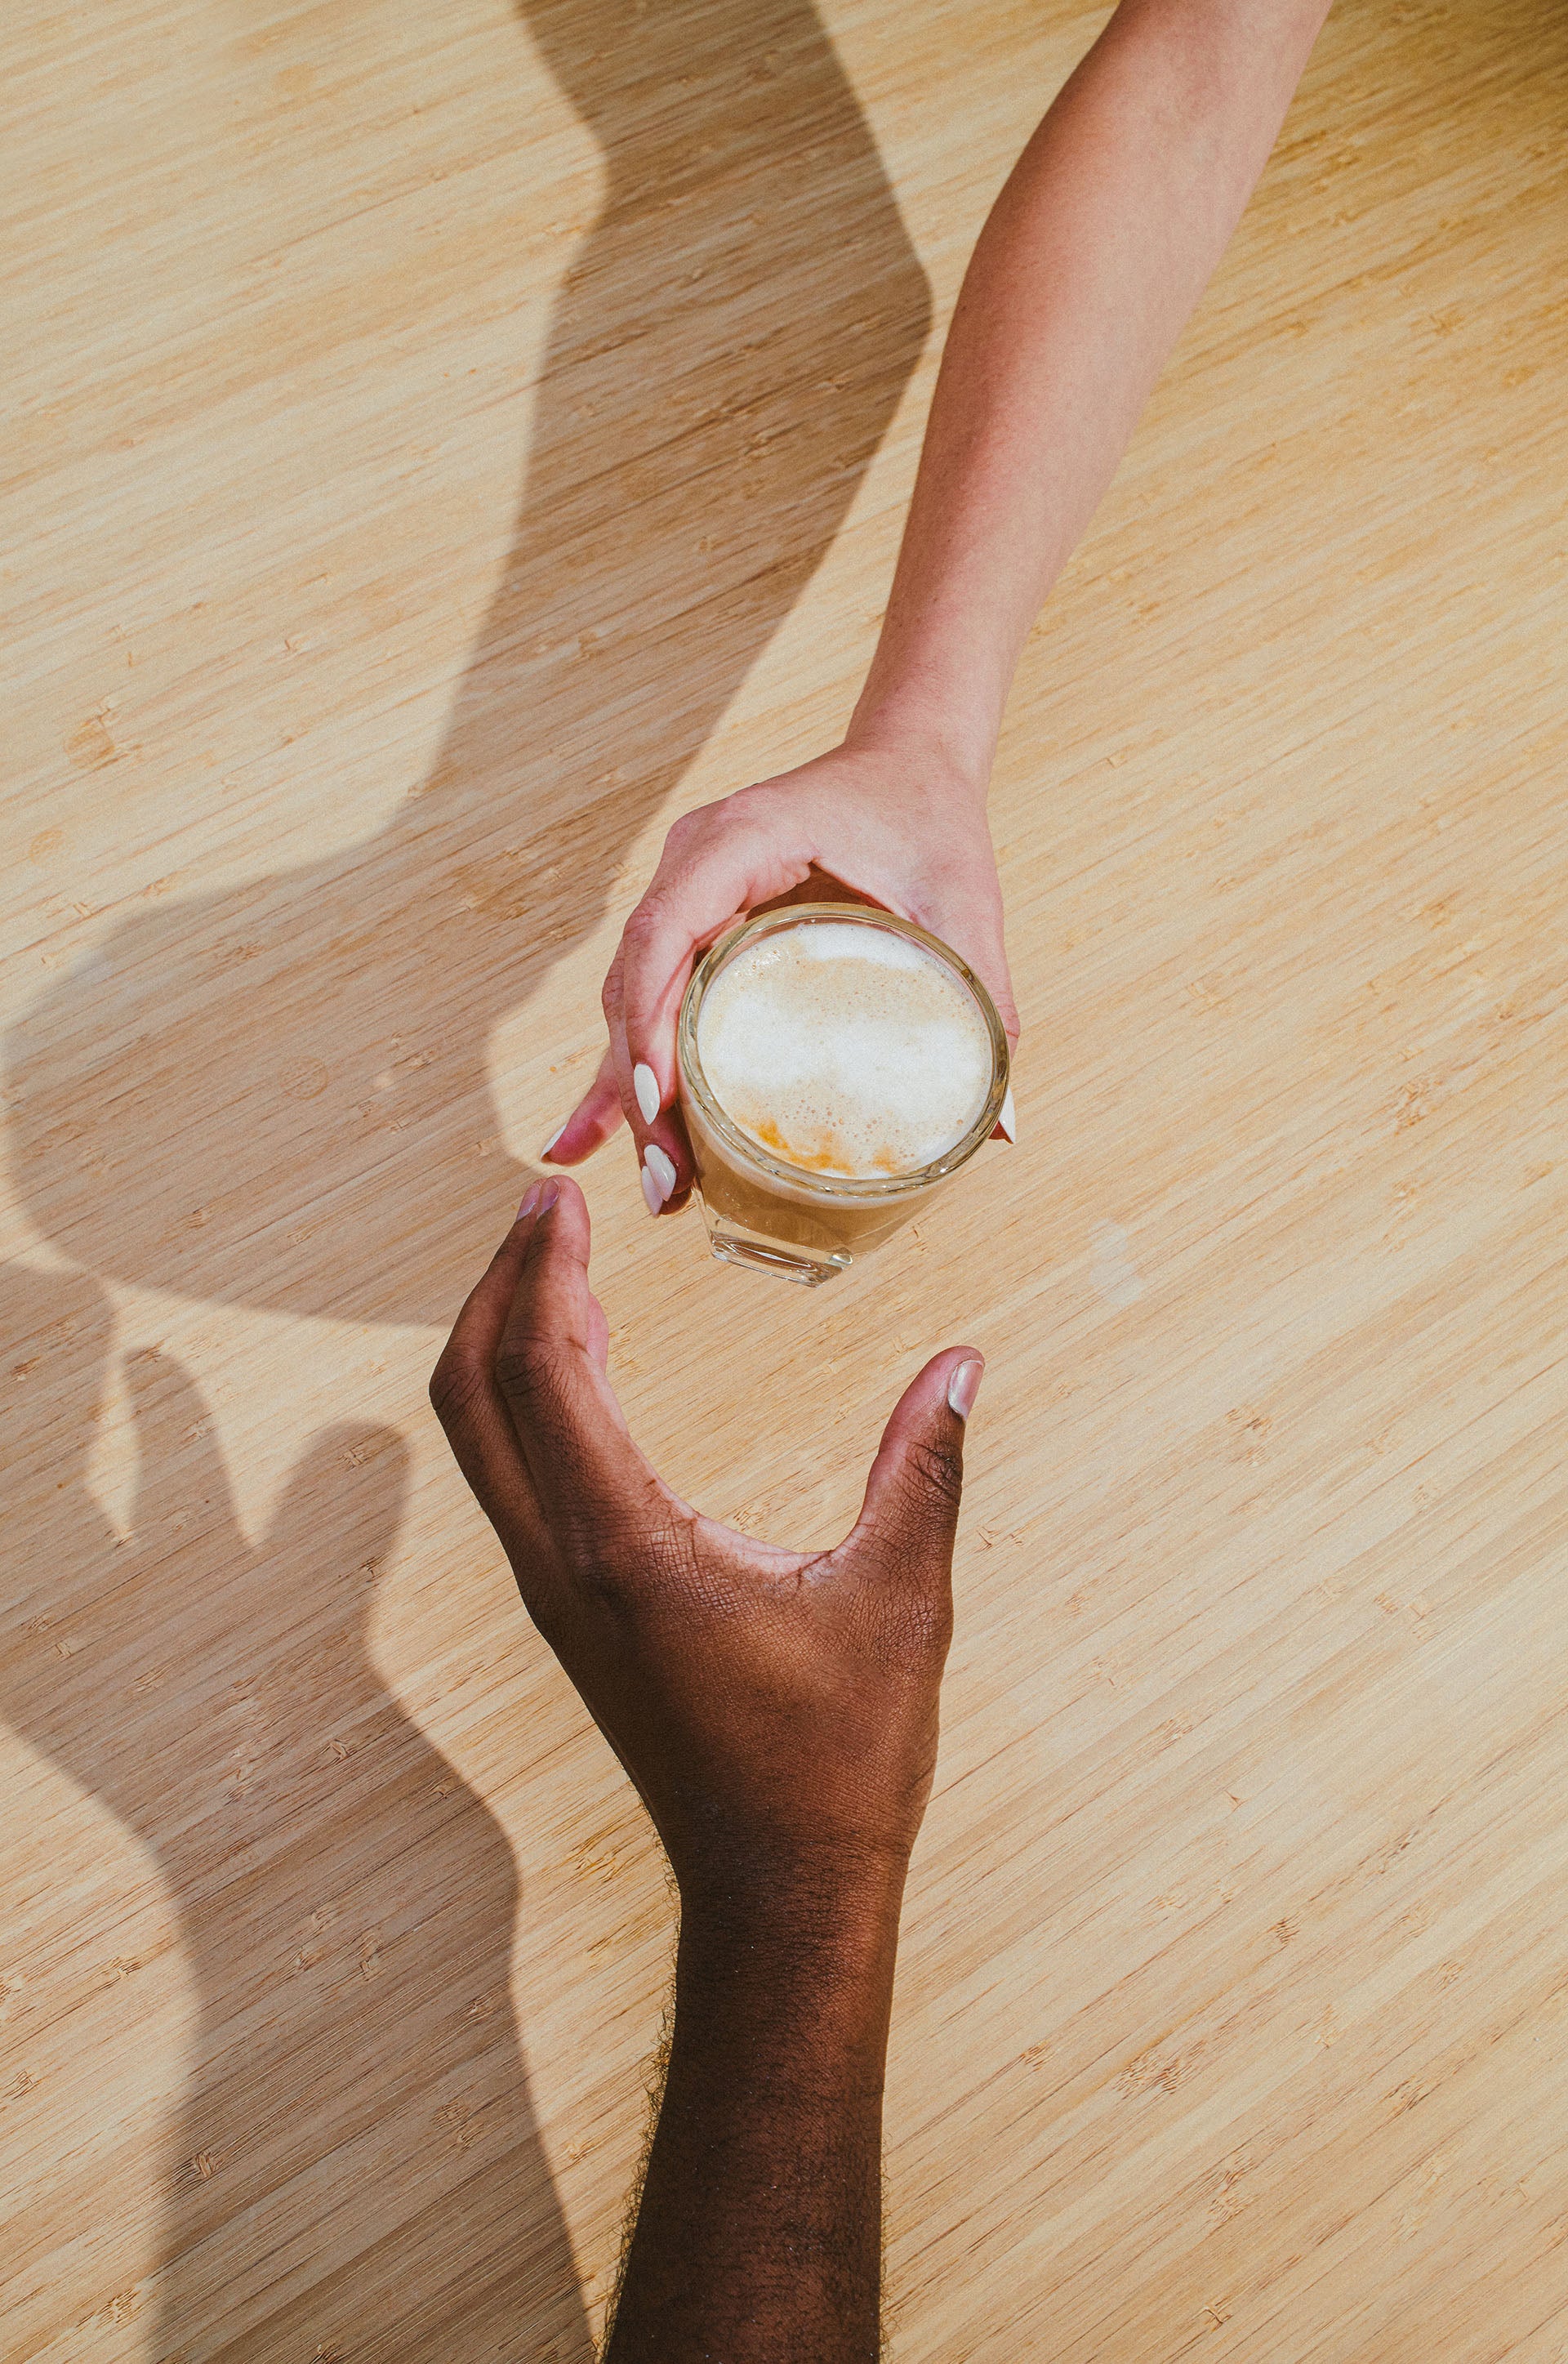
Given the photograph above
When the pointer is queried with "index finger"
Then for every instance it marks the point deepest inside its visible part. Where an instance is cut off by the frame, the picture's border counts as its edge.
(466, 1397)
(593, 1487)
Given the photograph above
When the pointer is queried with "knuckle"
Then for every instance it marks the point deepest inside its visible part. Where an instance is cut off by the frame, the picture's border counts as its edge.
(741, 806)
(936, 1469)
(528, 1371)
(454, 1384)
(640, 927)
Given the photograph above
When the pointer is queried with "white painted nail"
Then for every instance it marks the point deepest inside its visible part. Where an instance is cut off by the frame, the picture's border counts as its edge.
(645, 1084)
(554, 1137)
(1006, 1117)
(662, 1168)
(651, 1192)
(964, 1386)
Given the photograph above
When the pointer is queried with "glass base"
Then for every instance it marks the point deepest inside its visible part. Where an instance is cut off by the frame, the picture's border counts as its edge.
(732, 1244)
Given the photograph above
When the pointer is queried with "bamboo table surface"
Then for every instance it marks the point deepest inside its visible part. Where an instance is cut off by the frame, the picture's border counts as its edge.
(443, 445)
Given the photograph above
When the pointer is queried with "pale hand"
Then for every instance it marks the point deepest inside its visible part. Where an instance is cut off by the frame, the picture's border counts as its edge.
(895, 826)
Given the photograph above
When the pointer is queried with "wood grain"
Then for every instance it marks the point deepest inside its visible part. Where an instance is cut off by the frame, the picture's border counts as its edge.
(442, 448)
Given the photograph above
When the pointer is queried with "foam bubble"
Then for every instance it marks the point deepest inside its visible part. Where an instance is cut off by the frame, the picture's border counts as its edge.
(845, 1049)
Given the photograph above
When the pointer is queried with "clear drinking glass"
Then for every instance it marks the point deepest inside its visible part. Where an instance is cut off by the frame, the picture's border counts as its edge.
(779, 1218)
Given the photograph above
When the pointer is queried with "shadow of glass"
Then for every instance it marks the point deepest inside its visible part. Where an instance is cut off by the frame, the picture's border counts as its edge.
(277, 1093)
(354, 2169)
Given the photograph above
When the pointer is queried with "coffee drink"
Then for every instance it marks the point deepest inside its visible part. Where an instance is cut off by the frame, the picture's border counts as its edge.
(835, 1065)
(844, 1049)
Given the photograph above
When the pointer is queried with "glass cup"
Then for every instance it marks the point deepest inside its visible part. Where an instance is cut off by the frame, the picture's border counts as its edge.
(779, 1218)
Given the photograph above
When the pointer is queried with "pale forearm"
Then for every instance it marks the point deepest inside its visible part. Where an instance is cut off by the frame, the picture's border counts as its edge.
(759, 2231)
(1095, 254)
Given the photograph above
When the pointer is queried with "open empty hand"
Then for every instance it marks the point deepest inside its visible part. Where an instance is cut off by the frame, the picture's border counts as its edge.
(776, 1709)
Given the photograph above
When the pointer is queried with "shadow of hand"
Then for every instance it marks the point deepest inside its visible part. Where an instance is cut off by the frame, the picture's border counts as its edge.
(354, 2159)
(279, 1091)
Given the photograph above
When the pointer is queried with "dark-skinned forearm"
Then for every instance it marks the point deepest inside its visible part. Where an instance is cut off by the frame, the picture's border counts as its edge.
(760, 2231)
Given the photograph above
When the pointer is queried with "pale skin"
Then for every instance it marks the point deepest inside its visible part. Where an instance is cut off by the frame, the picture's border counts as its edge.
(1094, 253)
(777, 1713)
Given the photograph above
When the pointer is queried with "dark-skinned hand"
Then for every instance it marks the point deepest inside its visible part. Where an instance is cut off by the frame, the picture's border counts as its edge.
(776, 1709)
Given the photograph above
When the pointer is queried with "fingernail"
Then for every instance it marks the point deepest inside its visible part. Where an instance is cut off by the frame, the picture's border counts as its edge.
(964, 1386)
(531, 1197)
(645, 1084)
(554, 1137)
(552, 1193)
(662, 1168)
(651, 1192)
(1006, 1117)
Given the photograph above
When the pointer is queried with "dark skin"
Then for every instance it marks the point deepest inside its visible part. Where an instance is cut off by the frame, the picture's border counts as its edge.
(777, 1712)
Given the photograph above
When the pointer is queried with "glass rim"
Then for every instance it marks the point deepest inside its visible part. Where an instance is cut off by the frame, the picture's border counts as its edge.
(861, 1188)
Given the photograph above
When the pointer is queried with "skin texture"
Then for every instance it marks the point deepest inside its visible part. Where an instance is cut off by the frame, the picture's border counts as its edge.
(777, 1712)
(1095, 251)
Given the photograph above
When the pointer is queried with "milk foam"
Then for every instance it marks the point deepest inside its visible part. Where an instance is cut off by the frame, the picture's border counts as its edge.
(845, 1049)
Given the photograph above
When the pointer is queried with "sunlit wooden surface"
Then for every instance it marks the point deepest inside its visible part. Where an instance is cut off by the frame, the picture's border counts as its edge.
(441, 444)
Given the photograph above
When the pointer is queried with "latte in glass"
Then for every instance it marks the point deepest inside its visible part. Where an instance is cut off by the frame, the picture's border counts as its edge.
(837, 1065)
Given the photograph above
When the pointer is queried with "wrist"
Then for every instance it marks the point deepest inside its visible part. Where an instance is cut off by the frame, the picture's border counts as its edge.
(950, 751)
(798, 1994)
(831, 1913)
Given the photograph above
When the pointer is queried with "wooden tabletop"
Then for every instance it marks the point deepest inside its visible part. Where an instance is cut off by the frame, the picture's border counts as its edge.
(444, 444)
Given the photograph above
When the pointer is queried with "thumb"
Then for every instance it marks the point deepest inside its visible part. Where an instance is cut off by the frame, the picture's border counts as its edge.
(909, 1518)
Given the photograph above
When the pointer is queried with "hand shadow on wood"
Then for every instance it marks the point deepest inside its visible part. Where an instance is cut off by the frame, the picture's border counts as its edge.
(277, 1093)
(353, 2170)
